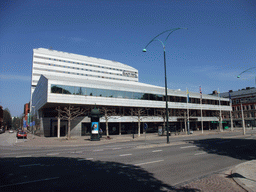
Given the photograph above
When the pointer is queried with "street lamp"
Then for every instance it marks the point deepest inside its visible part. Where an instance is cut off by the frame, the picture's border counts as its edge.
(242, 113)
(163, 44)
(247, 70)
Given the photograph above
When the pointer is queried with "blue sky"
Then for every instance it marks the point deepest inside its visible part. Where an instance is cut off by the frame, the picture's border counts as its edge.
(218, 45)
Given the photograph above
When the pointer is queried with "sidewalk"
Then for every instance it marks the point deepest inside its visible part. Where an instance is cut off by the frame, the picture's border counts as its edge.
(243, 174)
(36, 141)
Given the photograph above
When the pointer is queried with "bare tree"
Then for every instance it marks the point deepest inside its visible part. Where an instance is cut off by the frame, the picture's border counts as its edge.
(107, 114)
(162, 113)
(138, 112)
(69, 113)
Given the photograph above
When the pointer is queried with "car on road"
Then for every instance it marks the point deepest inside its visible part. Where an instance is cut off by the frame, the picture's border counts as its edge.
(11, 131)
(21, 134)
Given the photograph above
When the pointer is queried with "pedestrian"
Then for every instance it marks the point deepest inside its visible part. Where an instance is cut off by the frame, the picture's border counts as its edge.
(101, 133)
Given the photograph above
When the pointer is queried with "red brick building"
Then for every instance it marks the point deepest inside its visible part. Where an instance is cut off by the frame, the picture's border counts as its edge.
(245, 98)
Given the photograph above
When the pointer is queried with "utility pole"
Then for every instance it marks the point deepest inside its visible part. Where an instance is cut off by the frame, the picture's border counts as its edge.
(242, 117)
(231, 117)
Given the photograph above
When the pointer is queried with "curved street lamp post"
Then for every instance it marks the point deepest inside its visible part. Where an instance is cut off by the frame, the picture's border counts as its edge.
(247, 70)
(166, 96)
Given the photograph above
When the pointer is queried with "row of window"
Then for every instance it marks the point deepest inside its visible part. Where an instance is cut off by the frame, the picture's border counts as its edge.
(63, 89)
(131, 111)
(79, 63)
(239, 115)
(244, 100)
(245, 107)
(82, 69)
(82, 74)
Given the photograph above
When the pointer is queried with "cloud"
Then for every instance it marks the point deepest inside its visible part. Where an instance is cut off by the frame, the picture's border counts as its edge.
(15, 77)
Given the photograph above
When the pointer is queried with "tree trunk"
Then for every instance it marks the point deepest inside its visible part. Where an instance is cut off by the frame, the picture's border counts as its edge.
(107, 127)
(68, 128)
(139, 128)
(58, 129)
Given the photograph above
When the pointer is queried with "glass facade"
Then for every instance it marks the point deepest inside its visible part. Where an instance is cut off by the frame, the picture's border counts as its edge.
(74, 90)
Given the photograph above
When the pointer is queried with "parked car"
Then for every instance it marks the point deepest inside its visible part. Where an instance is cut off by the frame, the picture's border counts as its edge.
(11, 131)
(2, 130)
(21, 134)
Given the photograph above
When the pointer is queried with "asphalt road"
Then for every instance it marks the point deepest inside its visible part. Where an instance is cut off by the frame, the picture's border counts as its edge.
(127, 166)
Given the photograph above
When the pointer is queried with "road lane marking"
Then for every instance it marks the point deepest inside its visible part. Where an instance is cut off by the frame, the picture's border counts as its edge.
(29, 165)
(187, 147)
(23, 156)
(81, 159)
(85, 159)
(125, 155)
(148, 162)
(200, 153)
(157, 151)
(49, 154)
(47, 179)
(76, 152)
(98, 150)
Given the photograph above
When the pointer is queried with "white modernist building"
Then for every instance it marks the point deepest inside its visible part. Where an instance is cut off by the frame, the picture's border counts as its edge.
(62, 79)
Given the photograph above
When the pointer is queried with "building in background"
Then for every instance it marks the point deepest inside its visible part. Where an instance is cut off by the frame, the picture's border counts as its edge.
(247, 98)
(60, 79)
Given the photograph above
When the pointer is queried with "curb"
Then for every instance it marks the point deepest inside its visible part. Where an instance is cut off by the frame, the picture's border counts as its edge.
(238, 180)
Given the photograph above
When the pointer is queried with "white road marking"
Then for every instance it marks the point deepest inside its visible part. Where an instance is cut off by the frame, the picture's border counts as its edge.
(49, 154)
(23, 156)
(98, 150)
(187, 147)
(85, 159)
(125, 155)
(200, 153)
(29, 182)
(76, 152)
(157, 151)
(148, 162)
(29, 165)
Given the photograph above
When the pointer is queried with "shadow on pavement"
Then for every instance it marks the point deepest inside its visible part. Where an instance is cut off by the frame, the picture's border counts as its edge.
(243, 149)
(237, 175)
(74, 174)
